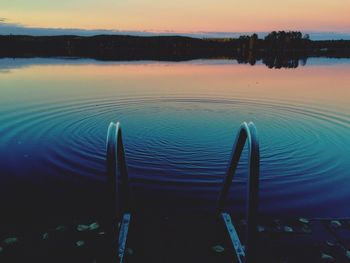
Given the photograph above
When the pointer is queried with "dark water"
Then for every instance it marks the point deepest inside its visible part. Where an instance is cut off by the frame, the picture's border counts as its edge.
(179, 122)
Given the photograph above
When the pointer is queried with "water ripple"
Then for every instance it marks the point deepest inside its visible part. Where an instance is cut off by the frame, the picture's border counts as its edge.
(182, 140)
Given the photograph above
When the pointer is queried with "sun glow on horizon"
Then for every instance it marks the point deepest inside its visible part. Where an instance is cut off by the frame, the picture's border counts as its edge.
(181, 16)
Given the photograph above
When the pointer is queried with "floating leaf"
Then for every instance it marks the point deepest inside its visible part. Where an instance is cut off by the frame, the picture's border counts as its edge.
(327, 258)
(81, 228)
(304, 220)
(218, 248)
(288, 229)
(261, 229)
(80, 243)
(45, 236)
(61, 228)
(130, 251)
(347, 254)
(330, 244)
(94, 226)
(10, 240)
(335, 224)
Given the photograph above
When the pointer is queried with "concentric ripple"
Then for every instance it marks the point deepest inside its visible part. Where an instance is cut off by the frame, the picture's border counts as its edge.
(185, 142)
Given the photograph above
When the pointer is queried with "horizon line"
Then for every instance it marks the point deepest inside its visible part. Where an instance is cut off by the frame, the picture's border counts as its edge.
(19, 29)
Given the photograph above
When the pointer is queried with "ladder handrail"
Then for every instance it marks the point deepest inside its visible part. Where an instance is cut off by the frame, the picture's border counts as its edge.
(119, 181)
(117, 173)
(118, 190)
(246, 132)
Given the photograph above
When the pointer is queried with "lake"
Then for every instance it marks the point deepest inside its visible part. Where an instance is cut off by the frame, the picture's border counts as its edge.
(179, 122)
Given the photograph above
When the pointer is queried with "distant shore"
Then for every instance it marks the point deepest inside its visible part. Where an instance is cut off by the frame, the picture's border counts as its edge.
(278, 49)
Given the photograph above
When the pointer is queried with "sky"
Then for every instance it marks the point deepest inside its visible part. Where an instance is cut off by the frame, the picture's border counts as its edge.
(180, 15)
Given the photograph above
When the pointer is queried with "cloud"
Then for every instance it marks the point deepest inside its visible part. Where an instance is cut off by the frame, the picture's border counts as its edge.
(2, 19)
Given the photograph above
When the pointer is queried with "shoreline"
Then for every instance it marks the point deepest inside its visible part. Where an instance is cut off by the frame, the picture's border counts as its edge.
(246, 49)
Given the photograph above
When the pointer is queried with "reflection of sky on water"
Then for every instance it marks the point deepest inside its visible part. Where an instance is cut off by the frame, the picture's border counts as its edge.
(179, 121)
(7, 64)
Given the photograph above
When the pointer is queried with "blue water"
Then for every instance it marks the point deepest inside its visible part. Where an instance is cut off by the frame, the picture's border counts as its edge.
(179, 122)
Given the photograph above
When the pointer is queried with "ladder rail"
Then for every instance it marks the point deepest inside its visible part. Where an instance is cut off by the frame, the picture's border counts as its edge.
(247, 132)
(118, 179)
(118, 182)
(118, 190)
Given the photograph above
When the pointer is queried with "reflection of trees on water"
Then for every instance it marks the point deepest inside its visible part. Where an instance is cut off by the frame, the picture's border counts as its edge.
(277, 50)
(273, 60)
(281, 62)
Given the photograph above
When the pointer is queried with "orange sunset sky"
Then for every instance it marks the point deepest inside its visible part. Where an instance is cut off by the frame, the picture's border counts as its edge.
(181, 15)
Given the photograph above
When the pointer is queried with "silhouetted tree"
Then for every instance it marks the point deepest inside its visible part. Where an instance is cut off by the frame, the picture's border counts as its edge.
(307, 37)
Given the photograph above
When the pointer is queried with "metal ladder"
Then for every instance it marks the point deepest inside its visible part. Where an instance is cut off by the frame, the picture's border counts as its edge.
(118, 182)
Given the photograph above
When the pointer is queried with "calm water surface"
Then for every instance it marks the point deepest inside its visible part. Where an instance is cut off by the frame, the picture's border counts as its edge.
(179, 122)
